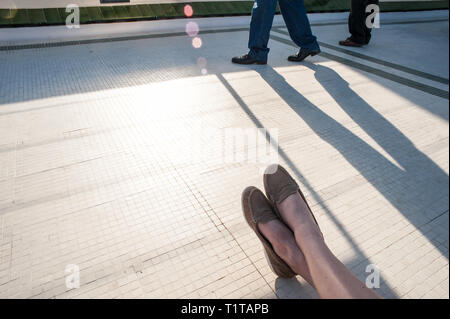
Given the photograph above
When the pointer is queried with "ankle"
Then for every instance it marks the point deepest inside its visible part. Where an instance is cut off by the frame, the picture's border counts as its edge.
(308, 237)
(293, 256)
(286, 249)
(295, 211)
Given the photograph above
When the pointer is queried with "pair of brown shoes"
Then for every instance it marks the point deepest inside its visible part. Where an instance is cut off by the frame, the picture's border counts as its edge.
(258, 209)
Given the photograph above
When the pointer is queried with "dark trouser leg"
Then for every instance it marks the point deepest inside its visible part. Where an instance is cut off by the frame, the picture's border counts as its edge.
(260, 25)
(296, 19)
(359, 31)
(369, 30)
(357, 21)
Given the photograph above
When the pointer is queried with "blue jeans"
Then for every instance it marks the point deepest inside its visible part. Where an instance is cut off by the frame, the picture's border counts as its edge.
(297, 23)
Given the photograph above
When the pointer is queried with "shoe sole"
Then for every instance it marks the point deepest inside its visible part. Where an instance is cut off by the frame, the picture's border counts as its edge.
(310, 55)
(351, 45)
(257, 62)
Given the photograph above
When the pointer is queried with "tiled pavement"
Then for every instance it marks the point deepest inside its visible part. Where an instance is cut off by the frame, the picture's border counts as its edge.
(112, 159)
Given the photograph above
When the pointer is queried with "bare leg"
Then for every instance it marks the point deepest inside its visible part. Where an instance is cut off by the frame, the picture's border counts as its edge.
(331, 278)
(284, 244)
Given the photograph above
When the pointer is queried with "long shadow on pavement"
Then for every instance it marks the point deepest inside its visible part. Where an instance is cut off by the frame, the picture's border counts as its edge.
(412, 191)
(269, 72)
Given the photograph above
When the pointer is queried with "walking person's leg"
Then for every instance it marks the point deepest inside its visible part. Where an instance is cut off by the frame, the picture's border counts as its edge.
(263, 13)
(358, 27)
(357, 24)
(297, 22)
(368, 35)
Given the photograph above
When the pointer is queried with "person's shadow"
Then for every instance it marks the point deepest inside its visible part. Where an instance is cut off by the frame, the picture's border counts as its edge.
(294, 289)
(419, 189)
(294, 99)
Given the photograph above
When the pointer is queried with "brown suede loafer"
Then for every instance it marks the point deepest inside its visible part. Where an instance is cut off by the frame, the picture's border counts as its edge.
(257, 209)
(279, 185)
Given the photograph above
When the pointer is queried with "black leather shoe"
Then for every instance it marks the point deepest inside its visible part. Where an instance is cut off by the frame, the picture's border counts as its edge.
(246, 59)
(302, 54)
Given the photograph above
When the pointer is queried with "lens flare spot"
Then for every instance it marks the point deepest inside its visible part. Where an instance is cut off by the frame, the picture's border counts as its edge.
(204, 71)
(192, 28)
(201, 62)
(188, 11)
(197, 42)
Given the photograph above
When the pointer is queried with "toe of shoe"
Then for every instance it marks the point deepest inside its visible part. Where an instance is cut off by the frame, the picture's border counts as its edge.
(278, 183)
(270, 179)
(272, 169)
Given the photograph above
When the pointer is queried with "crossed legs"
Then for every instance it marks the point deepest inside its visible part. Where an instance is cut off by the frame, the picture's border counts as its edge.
(299, 242)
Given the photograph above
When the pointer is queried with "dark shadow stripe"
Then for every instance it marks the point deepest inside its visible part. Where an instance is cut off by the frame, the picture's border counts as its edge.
(404, 81)
(379, 61)
(117, 39)
(152, 36)
(389, 76)
(283, 154)
(418, 21)
(322, 24)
